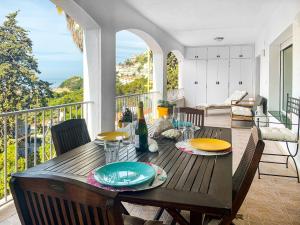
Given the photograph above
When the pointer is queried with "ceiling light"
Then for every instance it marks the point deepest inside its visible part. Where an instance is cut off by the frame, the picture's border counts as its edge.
(219, 38)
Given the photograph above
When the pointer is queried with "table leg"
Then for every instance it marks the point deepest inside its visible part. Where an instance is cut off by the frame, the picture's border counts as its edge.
(177, 216)
(196, 218)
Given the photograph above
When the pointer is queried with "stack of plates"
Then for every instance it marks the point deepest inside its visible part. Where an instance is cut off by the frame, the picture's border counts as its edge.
(205, 146)
(210, 144)
(113, 136)
(125, 174)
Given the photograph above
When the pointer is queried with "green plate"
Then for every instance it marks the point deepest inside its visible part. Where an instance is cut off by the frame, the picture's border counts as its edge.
(124, 174)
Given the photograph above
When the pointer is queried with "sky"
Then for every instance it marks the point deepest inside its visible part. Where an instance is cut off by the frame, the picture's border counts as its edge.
(57, 55)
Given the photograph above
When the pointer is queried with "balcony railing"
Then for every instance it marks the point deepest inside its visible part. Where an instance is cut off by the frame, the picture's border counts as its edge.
(131, 101)
(25, 138)
(175, 94)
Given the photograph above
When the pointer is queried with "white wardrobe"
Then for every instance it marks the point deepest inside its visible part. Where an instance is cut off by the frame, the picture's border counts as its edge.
(211, 74)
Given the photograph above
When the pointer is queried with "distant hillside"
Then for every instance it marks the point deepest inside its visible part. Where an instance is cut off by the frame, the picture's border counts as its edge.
(71, 84)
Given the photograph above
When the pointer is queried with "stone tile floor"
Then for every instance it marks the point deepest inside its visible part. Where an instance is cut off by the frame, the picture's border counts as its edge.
(270, 201)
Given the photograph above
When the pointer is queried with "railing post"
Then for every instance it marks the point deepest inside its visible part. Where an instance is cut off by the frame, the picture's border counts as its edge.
(16, 143)
(5, 158)
(26, 141)
(44, 139)
(35, 142)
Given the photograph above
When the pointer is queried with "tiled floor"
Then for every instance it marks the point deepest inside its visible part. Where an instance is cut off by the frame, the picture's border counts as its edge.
(270, 201)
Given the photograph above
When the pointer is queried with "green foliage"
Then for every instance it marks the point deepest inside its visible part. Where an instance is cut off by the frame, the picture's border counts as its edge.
(20, 87)
(139, 85)
(72, 84)
(172, 72)
(165, 103)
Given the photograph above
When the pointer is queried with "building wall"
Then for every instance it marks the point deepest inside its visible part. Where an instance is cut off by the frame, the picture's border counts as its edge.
(267, 47)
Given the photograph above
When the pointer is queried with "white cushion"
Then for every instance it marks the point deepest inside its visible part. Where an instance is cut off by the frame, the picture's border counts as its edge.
(241, 111)
(278, 134)
(237, 95)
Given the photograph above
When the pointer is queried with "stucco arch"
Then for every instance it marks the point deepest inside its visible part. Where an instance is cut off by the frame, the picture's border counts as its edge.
(158, 59)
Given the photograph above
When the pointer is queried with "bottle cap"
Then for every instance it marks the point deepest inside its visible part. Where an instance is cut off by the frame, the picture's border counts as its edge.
(141, 105)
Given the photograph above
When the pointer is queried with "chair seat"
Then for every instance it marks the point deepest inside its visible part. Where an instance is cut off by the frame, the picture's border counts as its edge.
(132, 220)
(278, 134)
(241, 111)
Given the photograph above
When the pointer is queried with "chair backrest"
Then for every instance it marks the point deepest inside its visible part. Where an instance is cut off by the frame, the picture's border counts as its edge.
(293, 107)
(261, 101)
(52, 200)
(195, 116)
(246, 170)
(69, 135)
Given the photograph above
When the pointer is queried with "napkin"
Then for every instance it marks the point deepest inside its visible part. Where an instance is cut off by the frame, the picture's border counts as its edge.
(153, 146)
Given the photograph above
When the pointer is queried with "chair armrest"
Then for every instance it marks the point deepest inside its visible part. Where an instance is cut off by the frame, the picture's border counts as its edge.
(244, 103)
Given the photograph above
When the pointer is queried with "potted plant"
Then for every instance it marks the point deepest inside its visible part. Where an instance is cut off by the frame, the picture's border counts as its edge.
(126, 118)
(164, 108)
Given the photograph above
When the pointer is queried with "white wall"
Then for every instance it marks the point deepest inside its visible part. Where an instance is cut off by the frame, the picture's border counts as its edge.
(101, 20)
(287, 16)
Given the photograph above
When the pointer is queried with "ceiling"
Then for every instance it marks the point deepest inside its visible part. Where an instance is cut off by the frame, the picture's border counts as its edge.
(198, 22)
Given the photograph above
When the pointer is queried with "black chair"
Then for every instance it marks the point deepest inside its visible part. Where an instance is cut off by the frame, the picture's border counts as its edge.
(195, 116)
(284, 134)
(69, 135)
(42, 199)
(243, 176)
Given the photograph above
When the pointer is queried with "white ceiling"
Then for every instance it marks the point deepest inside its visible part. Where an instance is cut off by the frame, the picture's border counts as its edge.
(197, 22)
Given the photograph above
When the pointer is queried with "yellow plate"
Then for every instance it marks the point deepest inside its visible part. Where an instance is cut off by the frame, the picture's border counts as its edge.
(112, 136)
(210, 144)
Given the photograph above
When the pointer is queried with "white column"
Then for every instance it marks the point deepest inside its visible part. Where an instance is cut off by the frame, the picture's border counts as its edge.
(99, 79)
(160, 74)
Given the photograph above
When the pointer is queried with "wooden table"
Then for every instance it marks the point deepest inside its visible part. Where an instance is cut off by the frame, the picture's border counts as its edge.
(199, 184)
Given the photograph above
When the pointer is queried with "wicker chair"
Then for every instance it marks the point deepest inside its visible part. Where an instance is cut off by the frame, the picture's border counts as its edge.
(195, 116)
(69, 135)
(48, 200)
(243, 176)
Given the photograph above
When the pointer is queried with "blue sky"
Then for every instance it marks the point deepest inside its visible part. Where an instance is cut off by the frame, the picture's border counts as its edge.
(57, 55)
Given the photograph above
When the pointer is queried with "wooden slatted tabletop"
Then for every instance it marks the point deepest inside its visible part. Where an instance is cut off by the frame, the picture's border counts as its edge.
(200, 184)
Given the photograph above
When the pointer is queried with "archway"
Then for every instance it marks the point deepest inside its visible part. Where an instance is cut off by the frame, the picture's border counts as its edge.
(174, 74)
(139, 71)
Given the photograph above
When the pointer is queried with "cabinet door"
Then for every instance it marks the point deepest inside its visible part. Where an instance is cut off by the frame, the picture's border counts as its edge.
(218, 52)
(242, 51)
(200, 83)
(241, 75)
(190, 53)
(189, 74)
(196, 53)
(217, 80)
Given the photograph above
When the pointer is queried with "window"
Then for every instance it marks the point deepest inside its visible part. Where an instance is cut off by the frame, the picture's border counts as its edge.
(286, 74)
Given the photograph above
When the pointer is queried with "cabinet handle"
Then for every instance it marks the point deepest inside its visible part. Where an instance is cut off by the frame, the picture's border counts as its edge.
(196, 82)
(217, 82)
(218, 56)
(240, 56)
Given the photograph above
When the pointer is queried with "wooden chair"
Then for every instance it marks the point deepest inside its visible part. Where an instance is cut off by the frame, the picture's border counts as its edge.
(195, 116)
(52, 200)
(69, 135)
(244, 175)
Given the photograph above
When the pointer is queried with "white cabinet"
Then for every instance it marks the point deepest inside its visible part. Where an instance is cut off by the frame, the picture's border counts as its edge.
(241, 75)
(242, 51)
(195, 82)
(218, 52)
(196, 53)
(217, 80)
(211, 74)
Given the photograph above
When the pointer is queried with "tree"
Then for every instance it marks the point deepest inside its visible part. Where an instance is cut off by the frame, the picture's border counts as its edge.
(20, 86)
(172, 71)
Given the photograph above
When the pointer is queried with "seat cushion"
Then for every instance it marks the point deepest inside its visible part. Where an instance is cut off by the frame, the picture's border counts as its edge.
(278, 134)
(241, 111)
(132, 220)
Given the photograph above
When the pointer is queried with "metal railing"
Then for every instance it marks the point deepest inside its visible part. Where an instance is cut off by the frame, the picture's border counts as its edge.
(175, 94)
(131, 101)
(25, 138)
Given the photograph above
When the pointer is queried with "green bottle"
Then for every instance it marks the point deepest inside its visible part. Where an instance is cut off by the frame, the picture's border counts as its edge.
(141, 131)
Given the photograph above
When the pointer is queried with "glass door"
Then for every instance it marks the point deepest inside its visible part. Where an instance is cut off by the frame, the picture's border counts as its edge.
(286, 59)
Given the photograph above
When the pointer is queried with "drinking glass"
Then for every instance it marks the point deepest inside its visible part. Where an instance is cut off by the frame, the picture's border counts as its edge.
(112, 149)
(188, 133)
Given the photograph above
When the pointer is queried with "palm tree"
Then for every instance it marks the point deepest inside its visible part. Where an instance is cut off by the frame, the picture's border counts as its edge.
(74, 28)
